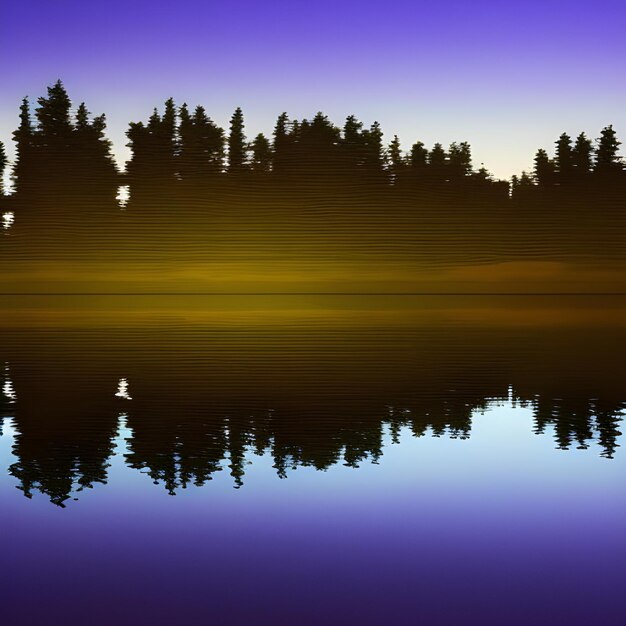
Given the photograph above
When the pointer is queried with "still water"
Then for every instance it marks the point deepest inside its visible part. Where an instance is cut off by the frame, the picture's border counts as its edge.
(312, 460)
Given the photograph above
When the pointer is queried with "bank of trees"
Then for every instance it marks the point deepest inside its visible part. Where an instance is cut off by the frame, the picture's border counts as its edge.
(578, 166)
(59, 149)
(62, 150)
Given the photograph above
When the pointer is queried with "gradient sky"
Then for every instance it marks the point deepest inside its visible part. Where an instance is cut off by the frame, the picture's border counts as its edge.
(508, 77)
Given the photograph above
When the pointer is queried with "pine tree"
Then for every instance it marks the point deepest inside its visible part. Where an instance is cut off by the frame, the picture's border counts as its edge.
(24, 169)
(373, 149)
(459, 163)
(23, 137)
(437, 161)
(318, 147)
(261, 153)
(352, 144)
(201, 149)
(3, 164)
(62, 153)
(522, 186)
(564, 161)
(606, 151)
(154, 162)
(92, 162)
(186, 135)
(582, 156)
(236, 143)
(53, 140)
(210, 139)
(396, 162)
(139, 167)
(165, 142)
(418, 157)
(53, 115)
(544, 169)
(281, 143)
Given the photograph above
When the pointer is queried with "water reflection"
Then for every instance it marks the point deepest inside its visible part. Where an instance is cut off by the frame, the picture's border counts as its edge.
(210, 397)
(62, 462)
(7, 220)
(122, 390)
(123, 196)
(7, 386)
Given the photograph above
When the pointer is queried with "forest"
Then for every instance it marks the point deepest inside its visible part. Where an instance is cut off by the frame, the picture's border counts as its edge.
(309, 195)
(63, 150)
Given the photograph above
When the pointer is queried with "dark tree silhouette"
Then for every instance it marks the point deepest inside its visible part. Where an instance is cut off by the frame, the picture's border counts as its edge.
(62, 154)
(154, 164)
(3, 164)
(318, 147)
(544, 169)
(53, 139)
(418, 162)
(582, 156)
(183, 153)
(282, 142)
(201, 151)
(93, 166)
(564, 161)
(396, 159)
(261, 153)
(353, 145)
(459, 163)
(53, 115)
(607, 159)
(23, 170)
(373, 152)
(437, 161)
(237, 154)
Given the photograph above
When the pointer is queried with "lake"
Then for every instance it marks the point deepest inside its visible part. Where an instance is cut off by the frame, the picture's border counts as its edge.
(311, 459)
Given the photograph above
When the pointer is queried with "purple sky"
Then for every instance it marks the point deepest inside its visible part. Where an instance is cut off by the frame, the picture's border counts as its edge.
(508, 77)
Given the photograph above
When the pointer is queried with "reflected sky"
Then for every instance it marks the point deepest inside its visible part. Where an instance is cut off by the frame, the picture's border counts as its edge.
(503, 435)
(497, 528)
(396, 461)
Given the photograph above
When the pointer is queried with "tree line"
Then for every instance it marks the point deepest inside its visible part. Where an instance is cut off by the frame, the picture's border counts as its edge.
(65, 151)
(70, 453)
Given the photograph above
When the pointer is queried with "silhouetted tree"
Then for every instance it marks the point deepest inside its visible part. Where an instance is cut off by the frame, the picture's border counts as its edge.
(564, 161)
(282, 141)
(318, 146)
(201, 146)
(154, 162)
(373, 152)
(607, 159)
(437, 160)
(544, 169)
(396, 160)
(164, 142)
(3, 164)
(418, 162)
(93, 164)
(53, 139)
(53, 115)
(61, 153)
(353, 144)
(459, 163)
(261, 153)
(237, 143)
(582, 156)
(522, 186)
(23, 170)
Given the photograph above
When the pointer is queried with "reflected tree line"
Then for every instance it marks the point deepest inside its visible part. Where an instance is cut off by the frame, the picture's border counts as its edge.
(180, 149)
(186, 418)
(68, 455)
